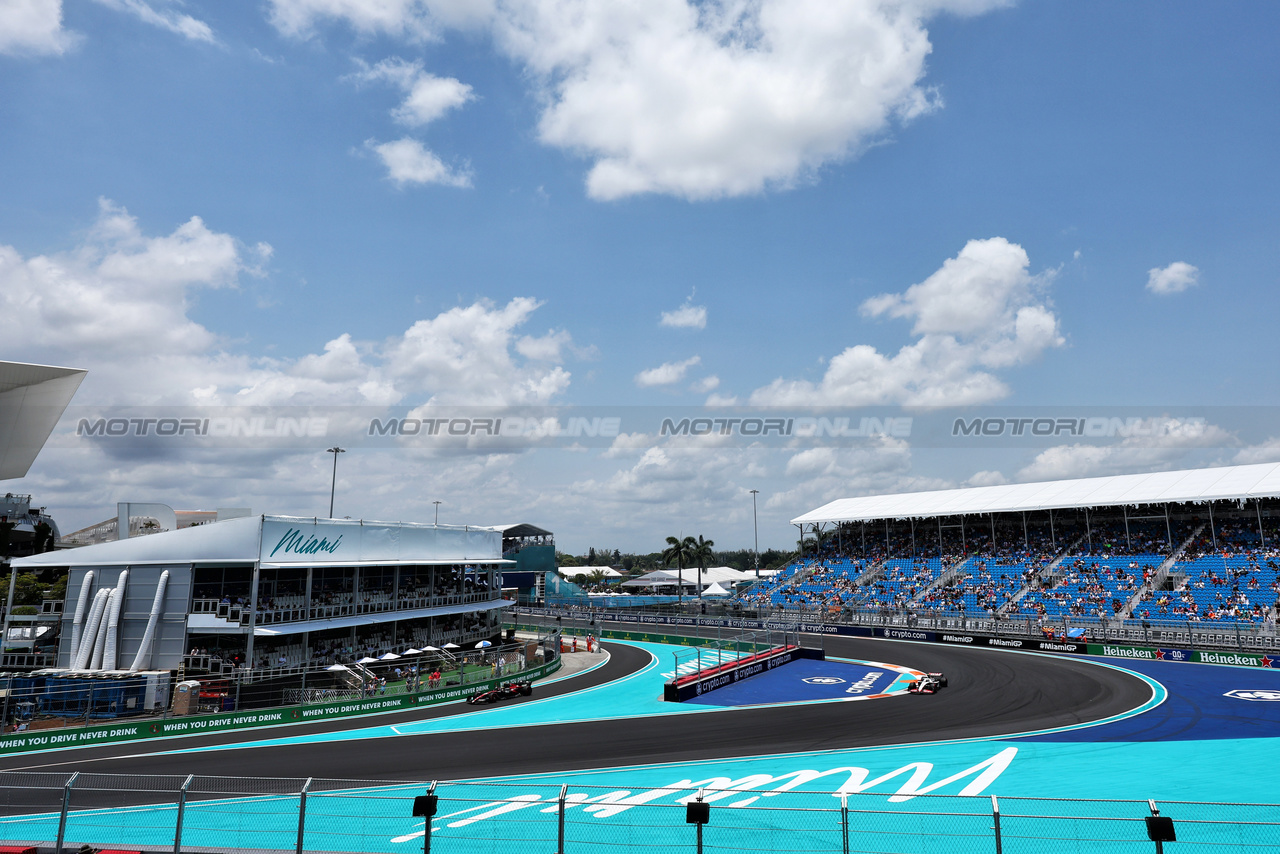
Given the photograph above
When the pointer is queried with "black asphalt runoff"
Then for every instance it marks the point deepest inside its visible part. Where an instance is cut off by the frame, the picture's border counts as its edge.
(990, 693)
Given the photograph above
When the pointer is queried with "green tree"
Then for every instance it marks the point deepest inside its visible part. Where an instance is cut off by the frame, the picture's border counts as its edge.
(701, 554)
(680, 551)
(28, 590)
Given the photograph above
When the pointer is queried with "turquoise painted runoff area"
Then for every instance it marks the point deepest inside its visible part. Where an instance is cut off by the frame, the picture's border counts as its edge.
(640, 807)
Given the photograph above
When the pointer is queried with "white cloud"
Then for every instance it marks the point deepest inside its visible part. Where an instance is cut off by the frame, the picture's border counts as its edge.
(174, 22)
(1177, 440)
(1266, 452)
(33, 27)
(686, 317)
(986, 478)
(982, 311)
(464, 356)
(667, 373)
(705, 384)
(119, 303)
(402, 18)
(427, 97)
(548, 348)
(409, 162)
(1174, 279)
(815, 476)
(696, 100)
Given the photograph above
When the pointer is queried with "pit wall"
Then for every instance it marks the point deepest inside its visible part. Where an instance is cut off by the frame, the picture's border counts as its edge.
(145, 728)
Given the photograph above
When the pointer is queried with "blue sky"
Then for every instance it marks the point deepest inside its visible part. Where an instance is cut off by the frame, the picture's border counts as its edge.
(430, 202)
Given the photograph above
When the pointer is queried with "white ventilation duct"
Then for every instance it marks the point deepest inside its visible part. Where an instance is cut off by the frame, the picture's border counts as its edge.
(144, 649)
(82, 605)
(100, 642)
(87, 639)
(109, 655)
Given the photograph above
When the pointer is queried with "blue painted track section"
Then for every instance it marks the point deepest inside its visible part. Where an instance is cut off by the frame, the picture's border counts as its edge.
(1207, 702)
(804, 681)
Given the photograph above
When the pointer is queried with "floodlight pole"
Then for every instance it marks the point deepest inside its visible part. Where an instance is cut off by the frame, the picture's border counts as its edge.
(755, 527)
(333, 484)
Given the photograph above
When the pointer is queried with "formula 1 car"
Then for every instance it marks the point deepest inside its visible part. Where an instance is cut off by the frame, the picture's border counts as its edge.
(929, 683)
(503, 692)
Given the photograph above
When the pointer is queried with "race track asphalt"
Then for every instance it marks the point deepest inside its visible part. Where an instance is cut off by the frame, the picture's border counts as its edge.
(991, 693)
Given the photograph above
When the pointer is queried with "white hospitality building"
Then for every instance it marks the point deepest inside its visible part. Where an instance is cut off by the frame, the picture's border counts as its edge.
(275, 591)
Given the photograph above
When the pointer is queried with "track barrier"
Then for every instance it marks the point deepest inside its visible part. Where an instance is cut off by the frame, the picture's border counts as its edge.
(233, 814)
(205, 724)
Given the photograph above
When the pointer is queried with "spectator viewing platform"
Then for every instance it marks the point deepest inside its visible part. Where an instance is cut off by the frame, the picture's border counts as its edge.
(1200, 545)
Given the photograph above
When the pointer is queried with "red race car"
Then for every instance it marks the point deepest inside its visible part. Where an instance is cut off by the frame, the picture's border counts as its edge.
(503, 692)
(929, 683)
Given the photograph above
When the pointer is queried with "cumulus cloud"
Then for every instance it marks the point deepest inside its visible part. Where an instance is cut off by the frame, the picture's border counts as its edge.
(982, 311)
(1268, 451)
(696, 100)
(706, 384)
(1173, 443)
(33, 27)
(119, 304)
(409, 162)
(1174, 279)
(668, 373)
(687, 316)
(986, 478)
(427, 97)
(165, 19)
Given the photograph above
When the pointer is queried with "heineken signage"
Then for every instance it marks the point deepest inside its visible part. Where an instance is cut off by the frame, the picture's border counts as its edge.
(1238, 658)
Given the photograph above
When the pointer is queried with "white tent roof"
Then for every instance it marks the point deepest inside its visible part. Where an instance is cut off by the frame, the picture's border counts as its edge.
(1193, 485)
(715, 590)
(723, 575)
(571, 571)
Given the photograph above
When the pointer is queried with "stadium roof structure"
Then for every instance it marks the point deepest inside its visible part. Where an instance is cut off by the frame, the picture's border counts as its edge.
(1197, 486)
(247, 539)
(32, 399)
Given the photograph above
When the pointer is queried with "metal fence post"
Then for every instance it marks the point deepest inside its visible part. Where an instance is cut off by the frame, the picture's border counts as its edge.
(302, 813)
(182, 808)
(564, 791)
(995, 815)
(66, 805)
(426, 834)
(844, 821)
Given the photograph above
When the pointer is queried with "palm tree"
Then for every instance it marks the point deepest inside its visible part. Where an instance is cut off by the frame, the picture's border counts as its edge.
(701, 553)
(819, 535)
(680, 551)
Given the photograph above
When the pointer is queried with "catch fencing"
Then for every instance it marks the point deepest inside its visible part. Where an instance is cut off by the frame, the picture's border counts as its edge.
(229, 814)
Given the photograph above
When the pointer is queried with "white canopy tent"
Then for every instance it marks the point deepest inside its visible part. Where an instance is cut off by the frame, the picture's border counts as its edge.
(1227, 483)
(725, 576)
(715, 590)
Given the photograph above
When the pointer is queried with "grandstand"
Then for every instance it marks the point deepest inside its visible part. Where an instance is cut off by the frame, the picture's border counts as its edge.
(1195, 545)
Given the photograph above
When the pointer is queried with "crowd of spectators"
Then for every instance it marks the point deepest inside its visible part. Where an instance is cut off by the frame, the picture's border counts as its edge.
(1077, 567)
